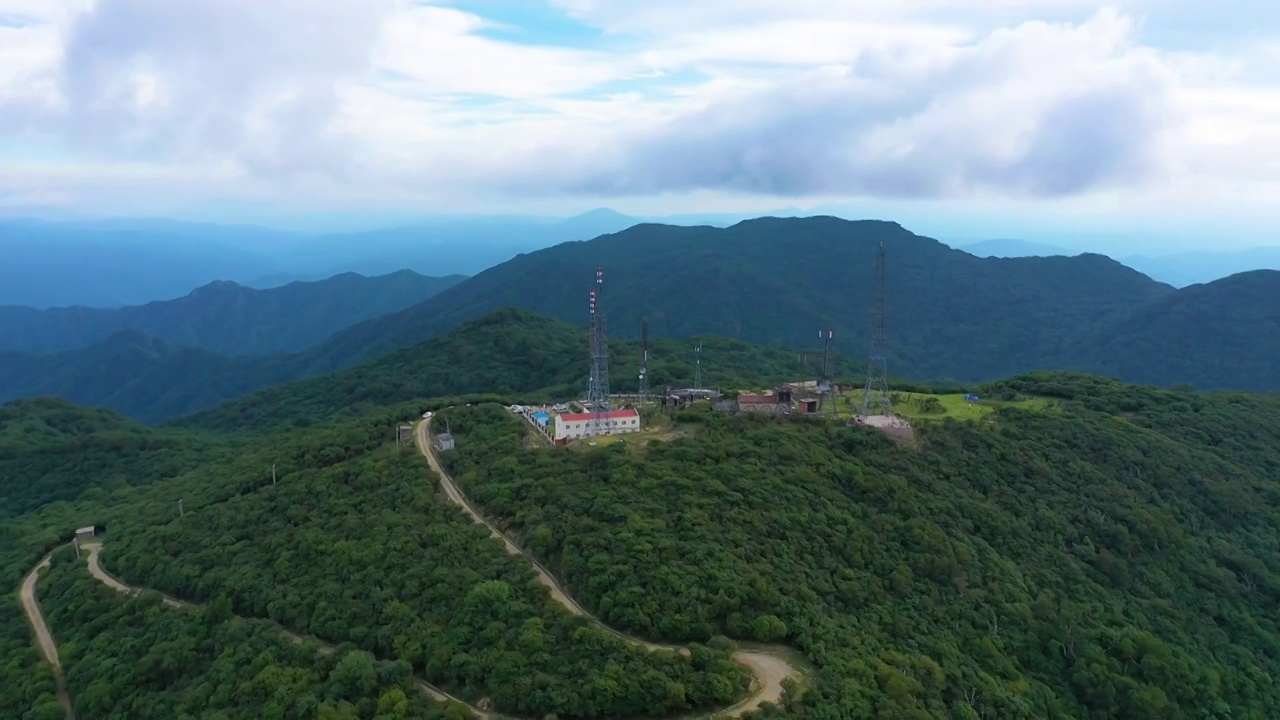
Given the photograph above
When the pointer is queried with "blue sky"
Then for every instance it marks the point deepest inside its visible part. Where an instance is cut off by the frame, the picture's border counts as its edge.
(1022, 115)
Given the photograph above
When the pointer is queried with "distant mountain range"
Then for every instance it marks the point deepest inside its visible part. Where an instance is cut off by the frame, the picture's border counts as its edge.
(113, 263)
(1177, 269)
(226, 317)
(119, 262)
(770, 281)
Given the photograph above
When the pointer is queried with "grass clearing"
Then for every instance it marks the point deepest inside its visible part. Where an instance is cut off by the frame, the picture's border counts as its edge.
(923, 407)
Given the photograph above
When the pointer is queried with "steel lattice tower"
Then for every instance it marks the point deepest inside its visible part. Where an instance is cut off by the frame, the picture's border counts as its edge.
(644, 360)
(598, 385)
(875, 396)
(826, 387)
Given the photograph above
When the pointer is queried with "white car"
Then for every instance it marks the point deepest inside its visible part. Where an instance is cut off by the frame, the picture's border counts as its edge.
(426, 416)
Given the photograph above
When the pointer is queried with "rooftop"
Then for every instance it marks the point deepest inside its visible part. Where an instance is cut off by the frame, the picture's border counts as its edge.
(753, 399)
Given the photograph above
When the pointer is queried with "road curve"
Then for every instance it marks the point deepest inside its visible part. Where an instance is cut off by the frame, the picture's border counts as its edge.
(96, 569)
(767, 669)
(44, 638)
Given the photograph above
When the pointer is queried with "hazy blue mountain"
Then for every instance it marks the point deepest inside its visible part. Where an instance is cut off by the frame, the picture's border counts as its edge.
(1013, 248)
(131, 261)
(1189, 268)
(138, 375)
(108, 264)
(227, 317)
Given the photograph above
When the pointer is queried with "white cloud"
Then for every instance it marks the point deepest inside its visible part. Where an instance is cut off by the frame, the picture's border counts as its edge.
(804, 98)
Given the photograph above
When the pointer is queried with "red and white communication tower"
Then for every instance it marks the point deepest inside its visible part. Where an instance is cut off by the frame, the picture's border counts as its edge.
(598, 385)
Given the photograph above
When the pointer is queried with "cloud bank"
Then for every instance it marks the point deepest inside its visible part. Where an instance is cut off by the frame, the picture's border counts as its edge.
(446, 102)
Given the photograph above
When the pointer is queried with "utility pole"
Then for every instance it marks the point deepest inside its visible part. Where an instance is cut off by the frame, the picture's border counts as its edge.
(179, 508)
(273, 473)
(76, 541)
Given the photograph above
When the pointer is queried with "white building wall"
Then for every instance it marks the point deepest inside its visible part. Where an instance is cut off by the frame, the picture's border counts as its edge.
(575, 429)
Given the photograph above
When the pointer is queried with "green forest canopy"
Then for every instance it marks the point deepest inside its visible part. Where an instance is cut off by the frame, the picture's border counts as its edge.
(1116, 556)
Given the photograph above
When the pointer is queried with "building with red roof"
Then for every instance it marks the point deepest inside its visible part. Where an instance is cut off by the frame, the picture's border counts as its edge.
(571, 426)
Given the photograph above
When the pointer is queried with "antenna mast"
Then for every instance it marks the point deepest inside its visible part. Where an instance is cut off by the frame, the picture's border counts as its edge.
(598, 385)
(644, 360)
(697, 366)
(875, 396)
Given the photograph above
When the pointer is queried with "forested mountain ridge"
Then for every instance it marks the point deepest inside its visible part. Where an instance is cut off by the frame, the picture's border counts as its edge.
(357, 550)
(225, 317)
(1113, 556)
(508, 352)
(777, 281)
(1222, 333)
(142, 376)
(768, 281)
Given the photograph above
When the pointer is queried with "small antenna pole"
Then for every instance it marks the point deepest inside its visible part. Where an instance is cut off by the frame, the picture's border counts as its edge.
(644, 361)
(273, 473)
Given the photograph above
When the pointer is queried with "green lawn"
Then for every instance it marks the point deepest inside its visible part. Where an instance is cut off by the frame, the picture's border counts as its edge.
(915, 406)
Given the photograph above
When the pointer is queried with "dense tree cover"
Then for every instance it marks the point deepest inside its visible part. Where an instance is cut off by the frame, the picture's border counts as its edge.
(352, 545)
(507, 352)
(102, 469)
(1221, 334)
(226, 317)
(133, 658)
(1114, 556)
(777, 281)
(365, 552)
(60, 451)
(144, 377)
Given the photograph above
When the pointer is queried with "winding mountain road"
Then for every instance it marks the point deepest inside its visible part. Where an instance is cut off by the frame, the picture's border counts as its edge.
(768, 669)
(44, 638)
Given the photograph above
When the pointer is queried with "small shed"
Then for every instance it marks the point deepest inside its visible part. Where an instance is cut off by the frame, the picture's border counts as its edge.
(87, 533)
(444, 441)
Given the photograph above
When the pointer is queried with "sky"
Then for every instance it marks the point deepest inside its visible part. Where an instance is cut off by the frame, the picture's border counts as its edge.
(991, 118)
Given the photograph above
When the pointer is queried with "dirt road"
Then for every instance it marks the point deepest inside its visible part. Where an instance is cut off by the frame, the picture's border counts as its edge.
(97, 571)
(769, 670)
(44, 638)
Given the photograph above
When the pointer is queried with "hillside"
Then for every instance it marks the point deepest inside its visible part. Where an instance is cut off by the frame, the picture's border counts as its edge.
(153, 380)
(404, 584)
(1221, 334)
(225, 317)
(138, 375)
(508, 352)
(1110, 551)
(1113, 556)
(777, 281)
